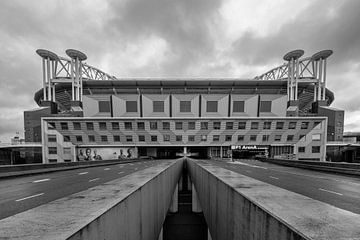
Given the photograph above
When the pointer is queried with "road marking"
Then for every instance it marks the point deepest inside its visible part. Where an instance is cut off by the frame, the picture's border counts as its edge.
(321, 189)
(249, 165)
(42, 180)
(121, 166)
(248, 171)
(274, 177)
(120, 172)
(82, 173)
(95, 179)
(106, 169)
(22, 199)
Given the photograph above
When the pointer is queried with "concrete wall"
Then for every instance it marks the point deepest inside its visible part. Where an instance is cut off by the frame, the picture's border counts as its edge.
(91, 105)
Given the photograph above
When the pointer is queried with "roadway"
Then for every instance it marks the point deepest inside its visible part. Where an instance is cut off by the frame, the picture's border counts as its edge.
(341, 191)
(23, 193)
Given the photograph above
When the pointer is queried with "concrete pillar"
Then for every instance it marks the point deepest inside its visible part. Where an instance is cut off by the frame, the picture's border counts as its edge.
(196, 208)
(181, 183)
(209, 235)
(174, 202)
(185, 151)
(161, 235)
(221, 155)
(189, 184)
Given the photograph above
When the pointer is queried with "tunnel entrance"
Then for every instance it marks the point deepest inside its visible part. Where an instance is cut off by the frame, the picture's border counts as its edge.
(249, 151)
(160, 152)
(198, 152)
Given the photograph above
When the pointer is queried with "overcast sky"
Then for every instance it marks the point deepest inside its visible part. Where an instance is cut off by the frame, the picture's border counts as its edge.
(176, 38)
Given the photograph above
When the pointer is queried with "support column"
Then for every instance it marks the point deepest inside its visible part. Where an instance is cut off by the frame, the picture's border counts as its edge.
(161, 234)
(209, 235)
(175, 199)
(196, 207)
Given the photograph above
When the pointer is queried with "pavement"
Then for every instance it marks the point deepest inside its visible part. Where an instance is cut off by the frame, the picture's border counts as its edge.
(23, 193)
(338, 190)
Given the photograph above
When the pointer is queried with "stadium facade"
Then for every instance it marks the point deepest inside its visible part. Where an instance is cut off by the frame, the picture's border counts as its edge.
(86, 114)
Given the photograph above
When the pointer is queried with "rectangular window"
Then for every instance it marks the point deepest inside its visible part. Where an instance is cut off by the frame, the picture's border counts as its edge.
(241, 138)
(158, 106)
(102, 125)
(265, 106)
(141, 138)
(304, 125)
(178, 126)
(216, 125)
(166, 138)
(116, 138)
(90, 126)
(290, 138)
(51, 125)
(228, 138)
(128, 125)
(317, 125)
(253, 138)
(185, 106)
(191, 138)
(203, 138)
(104, 138)
(51, 138)
(316, 137)
(292, 125)
(67, 150)
(166, 125)
(66, 138)
(129, 138)
(277, 138)
(315, 149)
(265, 138)
(279, 125)
(229, 125)
(115, 126)
(104, 106)
(216, 138)
(64, 126)
(52, 150)
(91, 138)
(131, 106)
(301, 149)
(254, 125)
(267, 125)
(153, 138)
(178, 138)
(238, 106)
(141, 126)
(52, 160)
(302, 138)
(191, 125)
(204, 125)
(153, 125)
(242, 125)
(77, 126)
(211, 106)
(67, 160)
(79, 138)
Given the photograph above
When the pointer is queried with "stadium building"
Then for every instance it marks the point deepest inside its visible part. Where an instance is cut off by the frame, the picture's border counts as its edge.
(86, 114)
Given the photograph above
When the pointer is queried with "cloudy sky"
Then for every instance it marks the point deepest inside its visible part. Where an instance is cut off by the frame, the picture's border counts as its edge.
(176, 38)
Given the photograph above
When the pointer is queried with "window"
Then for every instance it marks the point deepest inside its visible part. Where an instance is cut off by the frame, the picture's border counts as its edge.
(316, 137)
(203, 138)
(242, 125)
(166, 125)
(153, 125)
(64, 126)
(191, 138)
(131, 106)
(153, 138)
(141, 138)
(191, 125)
(240, 138)
(315, 149)
(265, 138)
(216, 125)
(216, 138)
(279, 125)
(51, 138)
(79, 138)
(178, 138)
(292, 125)
(277, 138)
(290, 138)
(115, 126)
(141, 126)
(103, 138)
(304, 125)
(203, 125)
(66, 138)
(238, 106)
(229, 125)
(253, 138)
(102, 125)
(51, 125)
(267, 125)
(265, 106)
(228, 138)
(301, 149)
(254, 125)
(302, 138)
(128, 125)
(166, 138)
(129, 138)
(67, 150)
(91, 138)
(178, 125)
(211, 106)
(317, 125)
(116, 138)
(77, 126)
(90, 126)
(67, 160)
(104, 106)
(185, 106)
(52, 150)
(158, 106)
(52, 160)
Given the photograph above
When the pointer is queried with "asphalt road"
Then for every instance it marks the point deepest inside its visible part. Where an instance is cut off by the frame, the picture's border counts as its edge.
(338, 190)
(23, 193)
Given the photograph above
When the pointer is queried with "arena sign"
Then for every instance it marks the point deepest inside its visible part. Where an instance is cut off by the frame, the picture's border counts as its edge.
(249, 147)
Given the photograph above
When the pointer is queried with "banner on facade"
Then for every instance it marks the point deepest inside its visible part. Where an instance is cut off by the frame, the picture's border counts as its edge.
(102, 153)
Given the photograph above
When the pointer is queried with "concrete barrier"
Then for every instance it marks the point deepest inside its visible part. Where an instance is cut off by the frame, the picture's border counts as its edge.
(130, 208)
(334, 167)
(242, 208)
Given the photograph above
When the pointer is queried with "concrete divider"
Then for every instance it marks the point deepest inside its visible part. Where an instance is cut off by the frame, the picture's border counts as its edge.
(130, 208)
(335, 167)
(242, 208)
